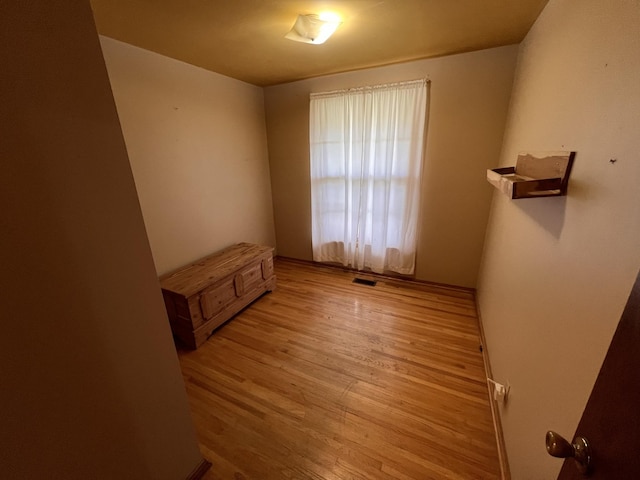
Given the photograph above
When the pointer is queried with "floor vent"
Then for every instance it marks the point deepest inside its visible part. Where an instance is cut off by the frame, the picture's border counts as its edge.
(364, 281)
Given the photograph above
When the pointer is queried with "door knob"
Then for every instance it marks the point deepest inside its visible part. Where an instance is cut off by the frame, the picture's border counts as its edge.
(580, 450)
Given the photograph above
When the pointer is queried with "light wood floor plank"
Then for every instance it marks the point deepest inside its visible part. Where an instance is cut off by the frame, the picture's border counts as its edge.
(324, 379)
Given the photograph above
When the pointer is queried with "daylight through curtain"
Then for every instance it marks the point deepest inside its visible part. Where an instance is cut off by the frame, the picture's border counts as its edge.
(366, 161)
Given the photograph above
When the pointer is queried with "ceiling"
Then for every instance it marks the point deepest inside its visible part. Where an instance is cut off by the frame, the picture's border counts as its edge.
(244, 39)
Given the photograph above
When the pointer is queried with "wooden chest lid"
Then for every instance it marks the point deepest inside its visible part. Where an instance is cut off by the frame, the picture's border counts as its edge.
(193, 278)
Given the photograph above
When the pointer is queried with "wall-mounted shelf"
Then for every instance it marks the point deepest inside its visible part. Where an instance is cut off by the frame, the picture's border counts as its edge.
(543, 174)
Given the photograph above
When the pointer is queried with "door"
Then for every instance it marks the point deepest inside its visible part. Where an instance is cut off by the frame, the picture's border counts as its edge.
(611, 419)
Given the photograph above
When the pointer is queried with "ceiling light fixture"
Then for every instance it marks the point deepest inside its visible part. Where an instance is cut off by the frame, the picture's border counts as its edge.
(315, 29)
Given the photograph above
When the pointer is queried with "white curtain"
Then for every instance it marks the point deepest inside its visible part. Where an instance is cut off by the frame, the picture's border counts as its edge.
(366, 162)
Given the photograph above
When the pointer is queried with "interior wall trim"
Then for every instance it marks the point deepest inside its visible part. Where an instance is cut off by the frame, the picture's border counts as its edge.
(368, 273)
(495, 411)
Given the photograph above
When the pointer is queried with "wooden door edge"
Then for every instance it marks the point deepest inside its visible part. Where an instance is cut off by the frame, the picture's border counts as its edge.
(198, 472)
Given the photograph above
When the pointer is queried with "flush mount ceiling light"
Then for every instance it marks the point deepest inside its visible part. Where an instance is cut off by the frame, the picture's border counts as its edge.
(315, 29)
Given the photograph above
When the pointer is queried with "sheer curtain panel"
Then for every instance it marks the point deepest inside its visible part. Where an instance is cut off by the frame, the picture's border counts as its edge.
(366, 161)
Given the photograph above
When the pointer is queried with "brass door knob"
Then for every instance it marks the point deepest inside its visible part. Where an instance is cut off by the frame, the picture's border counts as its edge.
(580, 450)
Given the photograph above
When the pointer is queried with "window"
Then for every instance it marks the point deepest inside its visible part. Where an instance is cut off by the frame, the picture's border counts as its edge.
(366, 160)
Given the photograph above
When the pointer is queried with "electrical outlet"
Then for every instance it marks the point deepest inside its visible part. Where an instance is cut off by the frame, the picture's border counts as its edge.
(500, 391)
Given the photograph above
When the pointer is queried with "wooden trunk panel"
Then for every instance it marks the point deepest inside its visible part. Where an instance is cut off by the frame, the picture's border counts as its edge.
(267, 268)
(216, 298)
(203, 332)
(194, 312)
(182, 307)
(201, 296)
(251, 276)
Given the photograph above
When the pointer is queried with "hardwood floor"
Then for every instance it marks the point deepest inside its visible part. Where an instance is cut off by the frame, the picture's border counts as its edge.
(327, 379)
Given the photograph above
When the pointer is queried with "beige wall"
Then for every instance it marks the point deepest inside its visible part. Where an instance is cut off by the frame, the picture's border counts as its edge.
(91, 386)
(557, 271)
(198, 149)
(469, 101)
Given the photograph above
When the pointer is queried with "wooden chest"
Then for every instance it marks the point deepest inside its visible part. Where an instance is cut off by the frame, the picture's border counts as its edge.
(202, 296)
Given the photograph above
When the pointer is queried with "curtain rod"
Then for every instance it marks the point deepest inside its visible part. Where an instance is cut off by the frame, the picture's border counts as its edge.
(408, 83)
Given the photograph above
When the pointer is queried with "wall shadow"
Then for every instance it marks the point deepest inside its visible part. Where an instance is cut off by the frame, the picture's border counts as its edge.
(548, 212)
